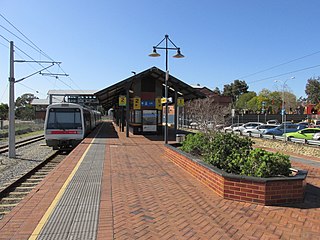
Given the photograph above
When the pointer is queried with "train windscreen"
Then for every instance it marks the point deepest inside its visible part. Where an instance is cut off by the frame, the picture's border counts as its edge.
(64, 118)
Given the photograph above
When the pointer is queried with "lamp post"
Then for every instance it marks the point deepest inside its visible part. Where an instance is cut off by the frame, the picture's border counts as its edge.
(283, 110)
(154, 53)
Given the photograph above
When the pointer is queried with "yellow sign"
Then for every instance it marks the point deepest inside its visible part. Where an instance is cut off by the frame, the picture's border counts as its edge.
(180, 102)
(122, 100)
(163, 100)
(136, 103)
(159, 103)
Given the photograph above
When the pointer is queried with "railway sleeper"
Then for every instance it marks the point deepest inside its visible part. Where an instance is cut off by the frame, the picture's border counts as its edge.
(26, 184)
(23, 189)
(7, 200)
(42, 172)
(7, 206)
(17, 194)
(35, 180)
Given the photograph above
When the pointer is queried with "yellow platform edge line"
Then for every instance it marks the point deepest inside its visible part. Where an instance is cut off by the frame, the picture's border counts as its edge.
(55, 201)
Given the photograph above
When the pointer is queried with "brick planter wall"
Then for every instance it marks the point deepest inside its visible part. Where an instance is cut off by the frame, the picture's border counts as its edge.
(265, 191)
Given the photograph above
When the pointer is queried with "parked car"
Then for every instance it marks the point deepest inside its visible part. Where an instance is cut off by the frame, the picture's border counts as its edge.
(290, 127)
(260, 129)
(249, 125)
(306, 133)
(274, 121)
(316, 136)
(232, 126)
(305, 124)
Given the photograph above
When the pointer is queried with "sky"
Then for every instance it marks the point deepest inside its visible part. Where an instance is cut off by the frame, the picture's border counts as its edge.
(100, 42)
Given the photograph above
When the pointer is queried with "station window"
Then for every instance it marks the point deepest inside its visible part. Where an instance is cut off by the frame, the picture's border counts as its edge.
(135, 116)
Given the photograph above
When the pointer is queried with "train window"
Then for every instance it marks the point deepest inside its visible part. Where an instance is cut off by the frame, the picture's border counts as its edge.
(64, 118)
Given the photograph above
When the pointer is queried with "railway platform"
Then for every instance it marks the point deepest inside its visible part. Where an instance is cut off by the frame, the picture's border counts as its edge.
(114, 187)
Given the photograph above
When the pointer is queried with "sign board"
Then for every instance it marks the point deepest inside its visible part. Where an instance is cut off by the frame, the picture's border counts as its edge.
(147, 103)
(163, 100)
(158, 104)
(233, 112)
(122, 100)
(136, 103)
(180, 102)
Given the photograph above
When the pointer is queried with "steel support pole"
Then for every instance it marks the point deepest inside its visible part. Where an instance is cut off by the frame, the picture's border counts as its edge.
(127, 112)
(166, 93)
(12, 134)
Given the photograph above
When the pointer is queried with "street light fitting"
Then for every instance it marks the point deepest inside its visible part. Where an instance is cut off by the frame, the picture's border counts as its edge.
(154, 53)
(178, 55)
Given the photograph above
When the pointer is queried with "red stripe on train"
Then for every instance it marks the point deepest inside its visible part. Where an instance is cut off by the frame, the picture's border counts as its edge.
(64, 132)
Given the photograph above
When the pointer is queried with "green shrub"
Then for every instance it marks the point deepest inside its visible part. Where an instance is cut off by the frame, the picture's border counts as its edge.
(234, 154)
(195, 143)
(261, 163)
(227, 151)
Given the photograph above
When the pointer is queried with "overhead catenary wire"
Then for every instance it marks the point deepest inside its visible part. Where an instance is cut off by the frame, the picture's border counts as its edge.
(36, 48)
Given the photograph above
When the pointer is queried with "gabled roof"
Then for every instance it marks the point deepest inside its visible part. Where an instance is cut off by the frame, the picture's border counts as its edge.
(71, 92)
(109, 96)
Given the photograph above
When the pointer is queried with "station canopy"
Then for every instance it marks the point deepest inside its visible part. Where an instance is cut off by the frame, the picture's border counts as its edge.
(108, 97)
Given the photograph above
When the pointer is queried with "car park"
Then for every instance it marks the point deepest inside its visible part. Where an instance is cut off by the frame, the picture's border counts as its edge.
(306, 133)
(261, 129)
(288, 128)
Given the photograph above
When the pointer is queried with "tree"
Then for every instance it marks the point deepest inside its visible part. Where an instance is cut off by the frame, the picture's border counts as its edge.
(204, 111)
(313, 90)
(235, 89)
(217, 91)
(24, 109)
(4, 109)
(244, 99)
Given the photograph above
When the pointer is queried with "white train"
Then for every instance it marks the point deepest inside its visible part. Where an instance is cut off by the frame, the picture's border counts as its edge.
(66, 124)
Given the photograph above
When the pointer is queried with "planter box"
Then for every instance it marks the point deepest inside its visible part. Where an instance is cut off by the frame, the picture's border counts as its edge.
(264, 191)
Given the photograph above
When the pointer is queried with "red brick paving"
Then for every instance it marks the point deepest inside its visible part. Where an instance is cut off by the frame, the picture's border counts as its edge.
(146, 196)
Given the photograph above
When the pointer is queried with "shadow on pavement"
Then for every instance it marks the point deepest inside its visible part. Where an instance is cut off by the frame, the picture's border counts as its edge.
(311, 198)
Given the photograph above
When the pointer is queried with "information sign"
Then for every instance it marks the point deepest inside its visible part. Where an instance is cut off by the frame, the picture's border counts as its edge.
(122, 100)
(136, 103)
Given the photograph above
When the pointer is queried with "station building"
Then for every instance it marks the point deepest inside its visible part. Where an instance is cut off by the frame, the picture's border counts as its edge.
(82, 97)
(136, 101)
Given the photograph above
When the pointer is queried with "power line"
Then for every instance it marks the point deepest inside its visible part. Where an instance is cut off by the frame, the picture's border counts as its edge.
(5, 90)
(281, 64)
(20, 39)
(35, 48)
(38, 49)
(287, 73)
(4, 38)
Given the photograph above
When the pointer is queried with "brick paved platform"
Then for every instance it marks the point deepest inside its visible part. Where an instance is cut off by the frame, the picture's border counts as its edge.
(143, 195)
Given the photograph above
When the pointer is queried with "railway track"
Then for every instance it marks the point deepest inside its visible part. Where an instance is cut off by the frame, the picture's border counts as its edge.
(12, 194)
(5, 148)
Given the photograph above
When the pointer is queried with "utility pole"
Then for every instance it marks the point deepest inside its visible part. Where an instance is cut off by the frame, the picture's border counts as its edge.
(12, 133)
(12, 81)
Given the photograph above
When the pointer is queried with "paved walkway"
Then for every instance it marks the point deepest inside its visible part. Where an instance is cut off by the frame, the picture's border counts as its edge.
(145, 196)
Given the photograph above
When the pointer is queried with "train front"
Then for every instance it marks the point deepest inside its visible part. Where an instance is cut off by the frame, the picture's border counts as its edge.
(64, 127)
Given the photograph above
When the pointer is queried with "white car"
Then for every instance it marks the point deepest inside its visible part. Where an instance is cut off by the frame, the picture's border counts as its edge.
(260, 129)
(249, 125)
(316, 136)
(231, 127)
(274, 121)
